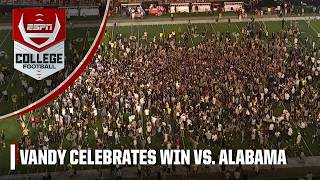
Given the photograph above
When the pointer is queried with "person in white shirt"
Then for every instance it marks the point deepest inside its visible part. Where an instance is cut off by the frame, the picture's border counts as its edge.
(79, 135)
(286, 96)
(5, 95)
(149, 128)
(110, 133)
(138, 108)
(71, 110)
(135, 143)
(303, 125)
(105, 129)
(1, 78)
(116, 137)
(49, 82)
(165, 138)
(261, 138)
(146, 112)
(149, 140)
(96, 133)
(299, 137)
(290, 132)
(169, 145)
(214, 137)
(309, 176)
(271, 127)
(140, 132)
(30, 90)
(253, 137)
(208, 136)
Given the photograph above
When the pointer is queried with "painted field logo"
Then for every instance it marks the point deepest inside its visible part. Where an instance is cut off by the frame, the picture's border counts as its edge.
(39, 35)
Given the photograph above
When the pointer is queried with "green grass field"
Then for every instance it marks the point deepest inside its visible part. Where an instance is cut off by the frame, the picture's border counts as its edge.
(14, 77)
(14, 86)
(313, 29)
(12, 128)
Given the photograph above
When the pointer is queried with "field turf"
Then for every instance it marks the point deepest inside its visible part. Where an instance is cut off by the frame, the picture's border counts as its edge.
(13, 130)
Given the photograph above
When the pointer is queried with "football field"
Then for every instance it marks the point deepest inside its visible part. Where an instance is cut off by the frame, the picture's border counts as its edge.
(81, 37)
(309, 29)
(13, 78)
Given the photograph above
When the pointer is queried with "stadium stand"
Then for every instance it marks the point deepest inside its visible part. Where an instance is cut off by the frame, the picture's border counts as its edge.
(50, 2)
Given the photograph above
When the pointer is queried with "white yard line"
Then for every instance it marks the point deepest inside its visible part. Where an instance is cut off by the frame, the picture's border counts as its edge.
(259, 23)
(30, 113)
(307, 146)
(29, 118)
(190, 35)
(5, 38)
(112, 33)
(155, 21)
(184, 147)
(264, 24)
(265, 27)
(204, 21)
(212, 27)
(237, 27)
(162, 29)
(310, 25)
(8, 85)
(138, 35)
(284, 107)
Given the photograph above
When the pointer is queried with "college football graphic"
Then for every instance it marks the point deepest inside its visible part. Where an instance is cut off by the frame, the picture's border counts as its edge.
(39, 35)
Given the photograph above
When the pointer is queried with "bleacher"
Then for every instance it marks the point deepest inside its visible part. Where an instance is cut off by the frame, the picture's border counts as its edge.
(312, 2)
(74, 7)
(50, 2)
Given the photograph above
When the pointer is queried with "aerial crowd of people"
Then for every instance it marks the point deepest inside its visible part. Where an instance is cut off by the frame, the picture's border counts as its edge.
(252, 89)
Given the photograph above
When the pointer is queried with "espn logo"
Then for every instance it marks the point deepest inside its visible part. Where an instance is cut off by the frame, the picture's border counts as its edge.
(39, 27)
